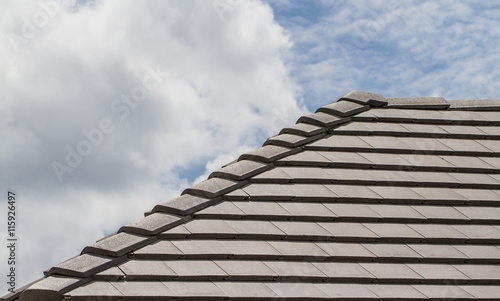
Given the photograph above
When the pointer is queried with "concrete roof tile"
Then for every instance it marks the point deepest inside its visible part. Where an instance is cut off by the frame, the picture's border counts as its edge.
(440, 233)
(347, 291)
(489, 274)
(118, 244)
(353, 231)
(291, 140)
(292, 249)
(484, 252)
(298, 209)
(391, 271)
(246, 270)
(215, 228)
(142, 288)
(441, 252)
(196, 269)
(147, 270)
(306, 291)
(394, 232)
(343, 108)
(396, 291)
(322, 119)
(339, 142)
(261, 208)
(295, 269)
(475, 104)
(362, 97)
(341, 250)
(437, 272)
(347, 271)
(299, 229)
(178, 232)
(153, 224)
(438, 292)
(213, 187)
(246, 290)
(195, 289)
(269, 153)
(51, 288)
(352, 211)
(304, 129)
(309, 158)
(94, 288)
(241, 170)
(479, 213)
(111, 274)
(84, 265)
(396, 252)
(224, 208)
(440, 213)
(479, 232)
(257, 229)
(164, 248)
(185, 204)
(353, 192)
(483, 292)
(435, 103)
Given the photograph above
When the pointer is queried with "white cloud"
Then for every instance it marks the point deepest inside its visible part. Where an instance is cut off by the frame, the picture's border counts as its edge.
(224, 84)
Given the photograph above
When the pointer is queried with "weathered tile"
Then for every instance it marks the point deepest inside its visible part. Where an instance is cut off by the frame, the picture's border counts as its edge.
(391, 271)
(196, 269)
(262, 208)
(250, 249)
(52, 287)
(159, 249)
(304, 129)
(295, 270)
(213, 187)
(316, 210)
(292, 249)
(346, 291)
(147, 270)
(221, 209)
(339, 142)
(247, 290)
(194, 289)
(269, 153)
(241, 170)
(352, 211)
(434, 103)
(393, 232)
(392, 252)
(277, 192)
(255, 229)
(345, 250)
(395, 291)
(345, 271)
(102, 289)
(185, 204)
(201, 248)
(487, 274)
(353, 192)
(432, 273)
(307, 291)
(438, 233)
(249, 270)
(442, 252)
(483, 292)
(210, 228)
(343, 108)
(351, 231)
(385, 143)
(373, 99)
(142, 289)
(302, 229)
(322, 119)
(475, 104)
(306, 158)
(153, 224)
(291, 140)
(118, 244)
(346, 159)
(479, 232)
(440, 292)
(84, 265)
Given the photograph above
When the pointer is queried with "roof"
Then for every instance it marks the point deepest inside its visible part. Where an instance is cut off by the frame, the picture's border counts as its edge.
(369, 198)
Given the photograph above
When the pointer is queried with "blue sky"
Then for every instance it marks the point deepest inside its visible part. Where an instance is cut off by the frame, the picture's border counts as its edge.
(110, 107)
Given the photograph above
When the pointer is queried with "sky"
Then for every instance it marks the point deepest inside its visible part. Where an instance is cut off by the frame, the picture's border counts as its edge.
(110, 107)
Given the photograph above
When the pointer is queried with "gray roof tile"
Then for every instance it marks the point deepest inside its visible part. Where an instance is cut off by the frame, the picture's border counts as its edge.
(147, 270)
(354, 231)
(346, 291)
(195, 289)
(394, 232)
(246, 270)
(142, 289)
(224, 208)
(438, 272)
(241, 170)
(51, 288)
(479, 252)
(269, 153)
(396, 291)
(439, 233)
(343, 108)
(295, 270)
(246, 290)
(196, 269)
(298, 249)
(488, 274)
(391, 271)
(307, 291)
(436, 103)
(291, 140)
(482, 292)
(161, 248)
(185, 204)
(102, 289)
(216, 228)
(304, 129)
(153, 224)
(257, 229)
(396, 252)
(438, 252)
(345, 250)
(323, 119)
(345, 271)
(298, 229)
(111, 274)
(475, 104)
(372, 99)
(308, 158)
(213, 187)
(118, 244)
(316, 210)
(271, 208)
(288, 192)
(439, 292)
(84, 265)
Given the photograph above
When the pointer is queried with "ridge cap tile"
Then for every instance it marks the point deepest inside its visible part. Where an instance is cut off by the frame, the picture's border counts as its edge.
(241, 170)
(269, 153)
(118, 244)
(213, 187)
(51, 288)
(475, 104)
(343, 108)
(153, 224)
(373, 99)
(84, 265)
(185, 204)
(436, 103)
(322, 119)
(304, 129)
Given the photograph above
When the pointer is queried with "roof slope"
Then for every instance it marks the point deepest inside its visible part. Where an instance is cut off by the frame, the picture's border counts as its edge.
(367, 199)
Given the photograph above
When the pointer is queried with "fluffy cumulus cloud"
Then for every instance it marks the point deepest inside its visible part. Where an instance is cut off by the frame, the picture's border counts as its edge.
(397, 48)
(109, 107)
